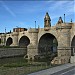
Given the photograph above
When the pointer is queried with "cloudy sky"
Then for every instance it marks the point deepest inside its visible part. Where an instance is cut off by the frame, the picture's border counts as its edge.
(25, 13)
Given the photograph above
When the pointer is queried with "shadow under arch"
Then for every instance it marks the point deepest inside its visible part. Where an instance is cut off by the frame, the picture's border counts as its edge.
(24, 41)
(73, 46)
(47, 44)
(9, 41)
(0, 40)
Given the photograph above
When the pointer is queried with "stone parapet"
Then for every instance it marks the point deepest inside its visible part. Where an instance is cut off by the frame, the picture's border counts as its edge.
(64, 26)
(31, 30)
(15, 34)
(2, 35)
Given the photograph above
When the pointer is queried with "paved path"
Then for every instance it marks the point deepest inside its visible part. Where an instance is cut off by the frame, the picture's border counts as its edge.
(68, 71)
(59, 69)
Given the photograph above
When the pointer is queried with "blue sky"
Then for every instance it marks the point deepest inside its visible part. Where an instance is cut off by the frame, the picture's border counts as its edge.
(25, 13)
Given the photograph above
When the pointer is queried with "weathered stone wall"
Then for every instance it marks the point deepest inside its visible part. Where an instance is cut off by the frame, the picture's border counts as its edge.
(24, 33)
(15, 39)
(32, 48)
(64, 35)
(72, 33)
(63, 32)
(2, 37)
(10, 52)
(52, 31)
(64, 50)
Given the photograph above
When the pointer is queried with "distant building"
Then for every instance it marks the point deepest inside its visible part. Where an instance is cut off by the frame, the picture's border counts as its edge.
(19, 29)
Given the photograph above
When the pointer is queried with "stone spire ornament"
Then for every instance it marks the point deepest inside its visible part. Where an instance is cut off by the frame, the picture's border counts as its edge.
(47, 20)
(60, 20)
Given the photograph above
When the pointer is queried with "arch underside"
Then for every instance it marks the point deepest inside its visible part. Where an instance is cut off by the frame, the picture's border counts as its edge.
(73, 46)
(0, 41)
(9, 41)
(24, 41)
(47, 44)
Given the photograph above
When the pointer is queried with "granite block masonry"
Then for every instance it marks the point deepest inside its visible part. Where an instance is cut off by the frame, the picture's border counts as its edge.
(59, 38)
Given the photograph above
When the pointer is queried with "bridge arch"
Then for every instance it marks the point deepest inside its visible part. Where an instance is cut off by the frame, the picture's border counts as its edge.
(9, 41)
(73, 45)
(24, 41)
(0, 40)
(55, 34)
(47, 43)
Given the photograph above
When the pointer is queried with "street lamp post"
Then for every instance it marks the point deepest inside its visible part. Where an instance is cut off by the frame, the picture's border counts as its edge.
(64, 18)
(35, 24)
(5, 37)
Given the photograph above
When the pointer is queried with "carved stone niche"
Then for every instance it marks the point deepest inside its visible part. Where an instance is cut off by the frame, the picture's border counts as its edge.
(47, 28)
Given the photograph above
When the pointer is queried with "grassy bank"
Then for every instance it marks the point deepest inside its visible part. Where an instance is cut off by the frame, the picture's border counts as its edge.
(19, 65)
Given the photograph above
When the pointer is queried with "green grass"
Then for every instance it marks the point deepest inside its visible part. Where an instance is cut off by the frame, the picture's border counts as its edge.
(19, 65)
(12, 60)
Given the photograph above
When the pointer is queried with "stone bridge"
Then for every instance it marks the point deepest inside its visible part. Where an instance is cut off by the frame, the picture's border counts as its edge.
(59, 38)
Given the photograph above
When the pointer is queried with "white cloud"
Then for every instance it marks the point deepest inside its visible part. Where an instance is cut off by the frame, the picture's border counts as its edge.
(61, 7)
(7, 8)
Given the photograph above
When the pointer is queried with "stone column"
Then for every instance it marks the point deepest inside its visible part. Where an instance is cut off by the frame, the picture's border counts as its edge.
(32, 48)
(15, 38)
(64, 49)
(3, 42)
